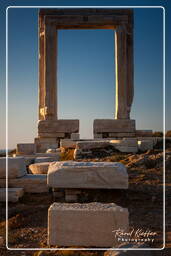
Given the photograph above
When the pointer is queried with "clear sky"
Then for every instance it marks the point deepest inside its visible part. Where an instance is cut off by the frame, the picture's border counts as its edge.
(86, 77)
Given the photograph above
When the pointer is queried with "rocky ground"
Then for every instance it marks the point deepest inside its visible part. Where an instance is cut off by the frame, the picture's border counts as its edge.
(144, 199)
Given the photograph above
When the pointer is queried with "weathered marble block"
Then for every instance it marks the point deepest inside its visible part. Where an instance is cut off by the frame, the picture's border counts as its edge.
(13, 194)
(92, 144)
(36, 183)
(72, 174)
(42, 144)
(16, 167)
(39, 168)
(126, 145)
(25, 149)
(85, 224)
(29, 159)
(46, 159)
(67, 143)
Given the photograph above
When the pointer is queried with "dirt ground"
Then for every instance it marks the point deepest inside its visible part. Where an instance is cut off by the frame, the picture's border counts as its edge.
(27, 219)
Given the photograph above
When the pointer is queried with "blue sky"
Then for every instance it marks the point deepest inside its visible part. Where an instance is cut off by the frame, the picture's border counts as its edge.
(86, 84)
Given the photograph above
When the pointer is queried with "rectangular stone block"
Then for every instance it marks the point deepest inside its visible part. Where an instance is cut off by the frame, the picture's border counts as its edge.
(36, 183)
(67, 143)
(123, 145)
(16, 167)
(13, 194)
(47, 159)
(92, 144)
(52, 135)
(114, 125)
(29, 159)
(75, 136)
(39, 168)
(43, 144)
(63, 125)
(71, 174)
(25, 149)
(89, 225)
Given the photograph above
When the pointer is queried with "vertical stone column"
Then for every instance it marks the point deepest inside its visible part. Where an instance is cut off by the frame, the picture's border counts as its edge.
(130, 67)
(50, 70)
(121, 73)
(41, 92)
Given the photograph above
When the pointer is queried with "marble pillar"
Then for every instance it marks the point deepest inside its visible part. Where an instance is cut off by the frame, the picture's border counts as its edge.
(124, 71)
(47, 72)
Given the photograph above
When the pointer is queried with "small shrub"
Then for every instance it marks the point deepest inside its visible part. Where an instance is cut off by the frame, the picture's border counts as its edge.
(67, 155)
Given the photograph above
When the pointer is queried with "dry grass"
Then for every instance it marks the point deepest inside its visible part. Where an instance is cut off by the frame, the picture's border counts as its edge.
(67, 155)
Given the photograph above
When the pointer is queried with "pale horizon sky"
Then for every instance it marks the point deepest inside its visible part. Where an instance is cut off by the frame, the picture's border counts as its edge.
(86, 77)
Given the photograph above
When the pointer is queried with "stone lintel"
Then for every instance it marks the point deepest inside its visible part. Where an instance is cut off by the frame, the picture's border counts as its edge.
(85, 11)
(86, 21)
(114, 126)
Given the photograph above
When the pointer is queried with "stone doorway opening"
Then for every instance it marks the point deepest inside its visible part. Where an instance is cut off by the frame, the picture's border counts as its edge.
(85, 76)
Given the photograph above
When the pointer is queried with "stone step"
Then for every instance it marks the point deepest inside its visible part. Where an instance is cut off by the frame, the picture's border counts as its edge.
(89, 224)
(13, 194)
(71, 174)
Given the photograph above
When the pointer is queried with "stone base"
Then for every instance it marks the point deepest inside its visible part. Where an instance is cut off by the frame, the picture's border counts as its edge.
(50, 133)
(114, 128)
(58, 127)
(89, 225)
